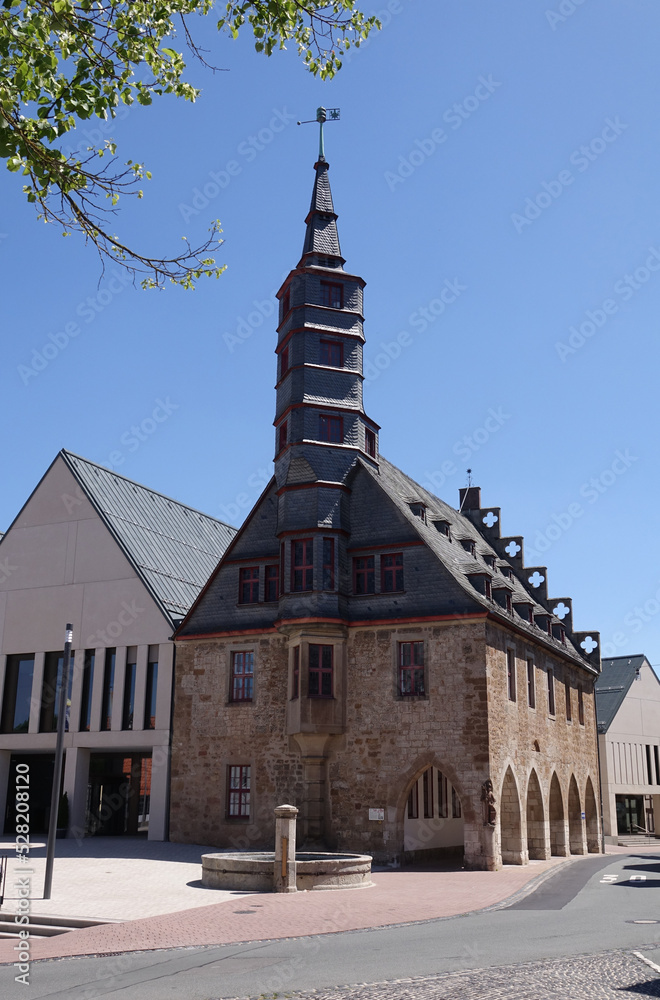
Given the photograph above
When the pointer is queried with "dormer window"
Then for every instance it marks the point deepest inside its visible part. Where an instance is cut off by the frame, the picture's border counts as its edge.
(525, 610)
(559, 632)
(370, 443)
(332, 295)
(544, 622)
(419, 510)
(444, 527)
(506, 572)
(503, 597)
(482, 582)
(469, 546)
(490, 561)
(332, 353)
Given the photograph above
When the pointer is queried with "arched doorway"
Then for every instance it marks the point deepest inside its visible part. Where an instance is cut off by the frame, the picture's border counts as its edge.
(591, 816)
(558, 845)
(537, 845)
(433, 826)
(510, 824)
(575, 834)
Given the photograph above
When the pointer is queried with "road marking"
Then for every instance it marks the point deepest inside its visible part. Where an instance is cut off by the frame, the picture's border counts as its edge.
(648, 961)
(637, 878)
(609, 878)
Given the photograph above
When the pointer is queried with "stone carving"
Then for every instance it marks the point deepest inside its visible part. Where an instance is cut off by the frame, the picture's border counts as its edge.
(488, 798)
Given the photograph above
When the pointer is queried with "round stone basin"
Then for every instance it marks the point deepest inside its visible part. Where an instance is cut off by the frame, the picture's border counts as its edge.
(253, 871)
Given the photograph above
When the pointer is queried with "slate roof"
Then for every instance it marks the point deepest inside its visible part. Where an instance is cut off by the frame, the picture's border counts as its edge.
(617, 676)
(321, 236)
(172, 547)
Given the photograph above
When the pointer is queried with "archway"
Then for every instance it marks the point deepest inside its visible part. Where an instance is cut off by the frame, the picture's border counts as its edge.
(537, 845)
(433, 827)
(591, 815)
(575, 833)
(510, 825)
(558, 845)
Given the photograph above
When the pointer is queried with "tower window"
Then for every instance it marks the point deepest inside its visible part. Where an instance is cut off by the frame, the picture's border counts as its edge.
(248, 585)
(302, 564)
(331, 429)
(282, 437)
(284, 361)
(364, 579)
(332, 353)
(272, 589)
(332, 295)
(328, 564)
(320, 671)
(391, 573)
(370, 443)
(286, 302)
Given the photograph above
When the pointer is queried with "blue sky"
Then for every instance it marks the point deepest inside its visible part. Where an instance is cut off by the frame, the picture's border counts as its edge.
(508, 152)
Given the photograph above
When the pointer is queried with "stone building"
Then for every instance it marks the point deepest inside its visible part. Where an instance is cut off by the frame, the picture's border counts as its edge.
(628, 715)
(365, 651)
(123, 564)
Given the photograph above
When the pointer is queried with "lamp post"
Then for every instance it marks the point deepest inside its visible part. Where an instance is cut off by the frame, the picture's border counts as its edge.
(59, 754)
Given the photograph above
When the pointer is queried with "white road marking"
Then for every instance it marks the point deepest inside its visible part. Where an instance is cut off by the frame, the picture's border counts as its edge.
(609, 878)
(638, 954)
(637, 878)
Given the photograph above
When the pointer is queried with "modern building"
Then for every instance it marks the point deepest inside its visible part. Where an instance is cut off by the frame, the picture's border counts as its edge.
(628, 713)
(381, 660)
(123, 564)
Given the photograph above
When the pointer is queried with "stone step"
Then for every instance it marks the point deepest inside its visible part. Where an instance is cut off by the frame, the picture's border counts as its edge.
(46, 926)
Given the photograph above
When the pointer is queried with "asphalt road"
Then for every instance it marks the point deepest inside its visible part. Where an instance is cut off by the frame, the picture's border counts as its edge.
(575, 936)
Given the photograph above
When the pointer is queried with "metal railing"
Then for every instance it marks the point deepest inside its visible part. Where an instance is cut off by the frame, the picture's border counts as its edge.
(3, 877)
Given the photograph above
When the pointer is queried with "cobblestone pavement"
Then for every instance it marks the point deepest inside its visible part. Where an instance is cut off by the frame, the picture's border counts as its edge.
(592, 977)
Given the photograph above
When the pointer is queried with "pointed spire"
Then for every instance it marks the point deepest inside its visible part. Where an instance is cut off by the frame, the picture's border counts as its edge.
(321, 237)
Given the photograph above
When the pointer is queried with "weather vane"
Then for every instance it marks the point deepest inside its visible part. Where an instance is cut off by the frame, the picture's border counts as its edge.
(322, 116)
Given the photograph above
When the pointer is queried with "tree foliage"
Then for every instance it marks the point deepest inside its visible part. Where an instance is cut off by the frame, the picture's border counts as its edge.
(65, 61)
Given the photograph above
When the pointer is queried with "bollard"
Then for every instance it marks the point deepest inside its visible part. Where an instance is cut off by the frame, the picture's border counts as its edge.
(284, 872)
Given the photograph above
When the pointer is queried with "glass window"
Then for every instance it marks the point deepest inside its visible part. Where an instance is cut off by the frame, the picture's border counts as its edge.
(443, 798)
(531, 685)
(129, 695)
(150, 700)
(282, 437)
(411, 668)
(272, 583)
(242, 675)
(391, 573)
(284, 361)
(328, 564)
(302, 564)
(248, 585)
(50, 692)
(87, 686)
(332, 295)
(551, 692)
(108, 689)
(331, 429)
(427, 784)
(511, 674)
(320, 671)
(332, 353)
(364, 579)
(238, 791)
(370, 443)
(17, 694)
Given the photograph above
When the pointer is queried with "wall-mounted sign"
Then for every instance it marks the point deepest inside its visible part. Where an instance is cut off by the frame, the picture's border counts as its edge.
(377, 814)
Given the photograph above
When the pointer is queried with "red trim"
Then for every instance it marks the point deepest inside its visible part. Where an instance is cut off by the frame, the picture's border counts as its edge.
(316, 406)
(357, 623)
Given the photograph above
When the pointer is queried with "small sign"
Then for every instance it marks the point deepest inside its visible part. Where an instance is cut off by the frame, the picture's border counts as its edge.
(377, 814)
(584, 816)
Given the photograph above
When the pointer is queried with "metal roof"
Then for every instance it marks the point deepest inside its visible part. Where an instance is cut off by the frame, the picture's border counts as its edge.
(617, 675)
(173, 548)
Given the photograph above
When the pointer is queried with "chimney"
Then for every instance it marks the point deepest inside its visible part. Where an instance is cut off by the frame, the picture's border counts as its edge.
(470, 498)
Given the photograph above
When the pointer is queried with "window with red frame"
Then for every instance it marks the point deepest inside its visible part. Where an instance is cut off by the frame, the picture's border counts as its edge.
(238, 791)
(391, 573)
(332, 353)
(331, 428)
(248, 585)
(282, 437)
(295, 679)
(511, 674)
(580, 705)
(284, 361)
(320, 671)
(328, 564)
(370, 443)
(411, 668)
(567, 690)
(364, 577)
(302, 564)
(242, 675)
(272, 583)
(286, 302)
(332, 295)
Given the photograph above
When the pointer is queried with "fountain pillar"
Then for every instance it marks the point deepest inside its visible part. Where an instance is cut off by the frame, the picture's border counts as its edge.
(284, 872)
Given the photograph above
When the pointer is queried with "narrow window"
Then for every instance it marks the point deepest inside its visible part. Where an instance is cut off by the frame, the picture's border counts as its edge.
(242, 675)
(531, 683)
(427, 784)
(391, 573)
(649, 768)
(332, 353)
(411, 668)
(656, 759)
(320, 671)
(152, 691)
(580, 705)
(456, 810)
(17, 694)
(248, 585)
(272, 581)
(567, 689)
(331, 429)
(129, 694)
(419, 510)
(364, 577)
(488, 588)
(328, 564)
(551, 691)
(511, 673)
(295, 680)
(87, 685)
(108, 689)
(282, 437)
(469, 545)
(282, 574)
(302, 564)
(50, 692)
(413, 803)
(443, 798)
(286, 302)
(238, 791)
(370, 443)
(332, 295)
(284, 361)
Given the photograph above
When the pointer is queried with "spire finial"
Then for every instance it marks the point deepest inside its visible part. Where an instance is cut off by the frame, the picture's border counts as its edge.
(322, 116)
